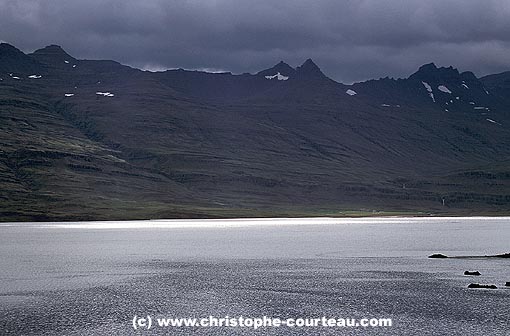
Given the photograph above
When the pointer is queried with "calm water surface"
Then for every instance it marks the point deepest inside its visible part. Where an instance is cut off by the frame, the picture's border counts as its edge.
(91, 278)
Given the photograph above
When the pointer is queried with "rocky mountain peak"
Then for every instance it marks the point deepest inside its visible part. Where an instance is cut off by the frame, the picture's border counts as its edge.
(430, 72)
(13, 60)
(52, 54)
(282, 68)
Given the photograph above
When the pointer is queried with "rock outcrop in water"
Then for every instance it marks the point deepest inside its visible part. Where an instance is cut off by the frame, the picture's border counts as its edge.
(472, 273)
(437, 256)
(476, 285)
(442, 256)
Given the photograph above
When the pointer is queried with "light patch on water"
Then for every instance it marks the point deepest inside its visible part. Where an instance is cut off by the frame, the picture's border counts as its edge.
(233, 223)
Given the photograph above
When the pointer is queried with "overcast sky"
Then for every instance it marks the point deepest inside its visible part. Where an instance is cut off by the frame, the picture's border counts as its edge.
(350, 40)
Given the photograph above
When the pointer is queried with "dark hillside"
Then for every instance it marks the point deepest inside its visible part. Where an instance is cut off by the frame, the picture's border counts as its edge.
(82, 139)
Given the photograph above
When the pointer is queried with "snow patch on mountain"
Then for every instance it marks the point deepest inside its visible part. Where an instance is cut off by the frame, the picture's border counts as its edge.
(278, 76)
(35, 76)
(444, 89)
(351, 92)
(105, 94)
(429, 90)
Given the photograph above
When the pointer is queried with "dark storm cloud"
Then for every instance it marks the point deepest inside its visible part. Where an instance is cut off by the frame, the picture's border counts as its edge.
(350, 40)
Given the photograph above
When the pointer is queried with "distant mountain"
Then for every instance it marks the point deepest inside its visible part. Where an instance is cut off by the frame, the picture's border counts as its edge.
(499, 85)
(281, 71)
(53, 55)
(85, 139)
(13, 60)
(309, 70)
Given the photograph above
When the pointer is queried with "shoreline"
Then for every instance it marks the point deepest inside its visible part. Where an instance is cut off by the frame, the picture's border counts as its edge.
(236, 222)
(206, 213)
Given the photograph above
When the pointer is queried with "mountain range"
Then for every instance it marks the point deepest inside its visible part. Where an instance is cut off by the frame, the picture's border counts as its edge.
(95, 139)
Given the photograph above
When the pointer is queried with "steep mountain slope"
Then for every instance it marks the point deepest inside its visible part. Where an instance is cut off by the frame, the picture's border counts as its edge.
(499, 85)
(97, 139)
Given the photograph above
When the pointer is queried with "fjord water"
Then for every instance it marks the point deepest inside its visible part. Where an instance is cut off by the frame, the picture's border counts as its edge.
(91, 278)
